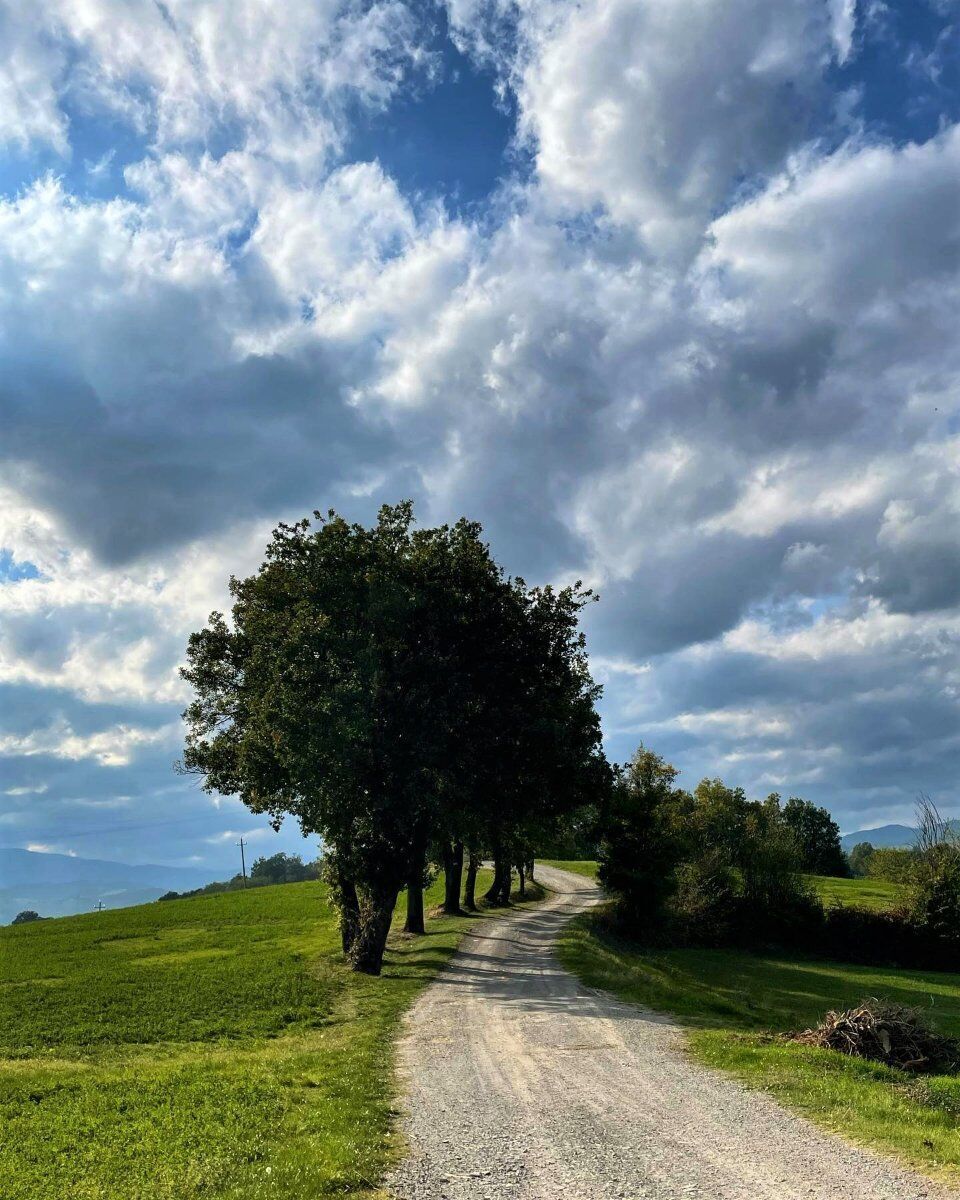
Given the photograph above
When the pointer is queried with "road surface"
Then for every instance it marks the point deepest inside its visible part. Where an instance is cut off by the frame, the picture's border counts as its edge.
(522, 1084)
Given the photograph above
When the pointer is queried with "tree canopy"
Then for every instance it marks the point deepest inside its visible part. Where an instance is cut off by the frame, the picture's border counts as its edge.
(817, 836)
(389, 686)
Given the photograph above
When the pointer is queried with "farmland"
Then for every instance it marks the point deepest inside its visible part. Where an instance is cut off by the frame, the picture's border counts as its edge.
(213, 1047)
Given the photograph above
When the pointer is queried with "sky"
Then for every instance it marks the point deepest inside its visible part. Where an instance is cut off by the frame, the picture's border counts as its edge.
(663, 292)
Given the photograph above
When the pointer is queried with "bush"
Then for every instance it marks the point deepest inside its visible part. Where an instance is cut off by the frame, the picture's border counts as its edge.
(640, 850)
(893, 865)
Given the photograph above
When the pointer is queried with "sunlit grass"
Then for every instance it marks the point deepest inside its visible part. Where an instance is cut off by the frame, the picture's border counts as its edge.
(877, 894)
(734, 1004)
(212, 1047)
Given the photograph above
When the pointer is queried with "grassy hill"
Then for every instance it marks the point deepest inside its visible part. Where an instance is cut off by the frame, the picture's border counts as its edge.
(864, 893)
(213, 1047)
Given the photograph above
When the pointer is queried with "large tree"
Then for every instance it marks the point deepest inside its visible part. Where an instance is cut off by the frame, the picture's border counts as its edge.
(389, 689)
(817, 836)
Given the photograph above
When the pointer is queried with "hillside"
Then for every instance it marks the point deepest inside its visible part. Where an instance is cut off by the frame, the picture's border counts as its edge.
(209, 1047)
(883, 835)
(60, 885)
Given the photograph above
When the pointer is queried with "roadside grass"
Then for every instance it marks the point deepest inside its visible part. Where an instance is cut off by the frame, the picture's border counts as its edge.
(735, 1004)
(213, 1047)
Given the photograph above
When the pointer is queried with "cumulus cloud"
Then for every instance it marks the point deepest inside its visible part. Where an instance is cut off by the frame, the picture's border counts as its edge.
(702, 354)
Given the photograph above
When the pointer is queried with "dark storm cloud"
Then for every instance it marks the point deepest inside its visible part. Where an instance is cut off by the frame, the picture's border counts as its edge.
(192, 458)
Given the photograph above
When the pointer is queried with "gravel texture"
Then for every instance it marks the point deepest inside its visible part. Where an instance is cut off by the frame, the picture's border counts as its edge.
(522, 1083)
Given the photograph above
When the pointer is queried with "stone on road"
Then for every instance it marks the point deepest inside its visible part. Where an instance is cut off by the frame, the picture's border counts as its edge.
(522, 1083)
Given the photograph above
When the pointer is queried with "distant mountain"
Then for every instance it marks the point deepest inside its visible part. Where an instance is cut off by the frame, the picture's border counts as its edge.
(885, 835)
(57, 885)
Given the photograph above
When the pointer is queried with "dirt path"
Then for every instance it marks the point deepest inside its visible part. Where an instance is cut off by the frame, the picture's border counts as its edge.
(522, 1083)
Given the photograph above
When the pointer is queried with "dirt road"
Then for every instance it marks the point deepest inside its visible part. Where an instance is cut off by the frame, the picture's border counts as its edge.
(521, 1083)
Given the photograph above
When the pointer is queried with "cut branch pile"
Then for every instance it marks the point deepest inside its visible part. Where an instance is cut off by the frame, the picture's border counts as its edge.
(887, 1033)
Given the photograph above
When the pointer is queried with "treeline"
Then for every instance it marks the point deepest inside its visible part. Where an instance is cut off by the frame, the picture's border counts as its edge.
(714, 868)
(890, 863)
(392, 690)
(278, 868)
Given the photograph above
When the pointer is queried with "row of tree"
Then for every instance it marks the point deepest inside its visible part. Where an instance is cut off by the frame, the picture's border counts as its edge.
(277, 868)
(392, 690)
(712, 867)
(396, 693)
(708, 864)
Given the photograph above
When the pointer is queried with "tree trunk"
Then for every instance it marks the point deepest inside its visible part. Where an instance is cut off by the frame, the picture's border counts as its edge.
(521, 871)
(414, 922)
(498, 893)
(348, 911)
(452, 875)
(376, 913)
(470, 887)
(530, 865)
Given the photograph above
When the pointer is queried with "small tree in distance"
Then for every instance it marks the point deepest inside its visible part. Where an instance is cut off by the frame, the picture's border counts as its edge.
(860, 858)
(23, 918)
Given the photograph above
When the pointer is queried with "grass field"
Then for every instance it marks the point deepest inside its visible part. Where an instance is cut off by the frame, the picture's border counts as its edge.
(865, 893)
(214, 1047)
(735, 1003)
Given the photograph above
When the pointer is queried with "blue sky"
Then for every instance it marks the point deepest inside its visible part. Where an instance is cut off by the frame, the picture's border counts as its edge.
(663, 294)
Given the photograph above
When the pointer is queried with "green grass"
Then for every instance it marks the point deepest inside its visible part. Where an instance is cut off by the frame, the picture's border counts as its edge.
(582, 866)
(877, 894)
(866, 893)
(734, 1004)
(211, 1047)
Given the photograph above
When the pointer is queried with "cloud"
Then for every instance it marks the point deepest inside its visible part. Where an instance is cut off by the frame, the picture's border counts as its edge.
(657, 112)
(180, 72)
(700, 350)
(110, 747)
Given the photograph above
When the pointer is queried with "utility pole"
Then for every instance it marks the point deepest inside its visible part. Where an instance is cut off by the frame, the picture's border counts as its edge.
(243, 862)
(99, 906)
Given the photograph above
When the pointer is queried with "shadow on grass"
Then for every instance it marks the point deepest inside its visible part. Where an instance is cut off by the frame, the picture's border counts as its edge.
(739, 990)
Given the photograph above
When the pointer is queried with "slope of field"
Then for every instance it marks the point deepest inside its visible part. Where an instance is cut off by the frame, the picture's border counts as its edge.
(212, 1047)
(736, 1003)
(864, 893)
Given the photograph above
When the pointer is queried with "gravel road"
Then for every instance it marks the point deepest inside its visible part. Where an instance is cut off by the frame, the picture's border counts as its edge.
(522, 1083)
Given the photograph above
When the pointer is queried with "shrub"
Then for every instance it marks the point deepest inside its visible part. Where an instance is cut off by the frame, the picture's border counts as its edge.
(640, 849)
(893, 865)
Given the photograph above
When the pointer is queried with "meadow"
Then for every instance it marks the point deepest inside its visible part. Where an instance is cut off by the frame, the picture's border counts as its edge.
(213, 1047)
(736, 1005)
(876, 894)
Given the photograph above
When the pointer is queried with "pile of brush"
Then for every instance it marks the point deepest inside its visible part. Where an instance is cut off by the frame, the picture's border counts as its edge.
(886, 1033)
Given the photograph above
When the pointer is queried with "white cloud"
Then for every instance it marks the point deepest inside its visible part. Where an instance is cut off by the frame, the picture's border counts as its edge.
(183, 70)
(657, 111)
(702, 358)
(114, 747)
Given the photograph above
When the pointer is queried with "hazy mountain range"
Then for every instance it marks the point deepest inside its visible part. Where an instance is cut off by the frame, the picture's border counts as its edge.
(56, 885)
(886, 835)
